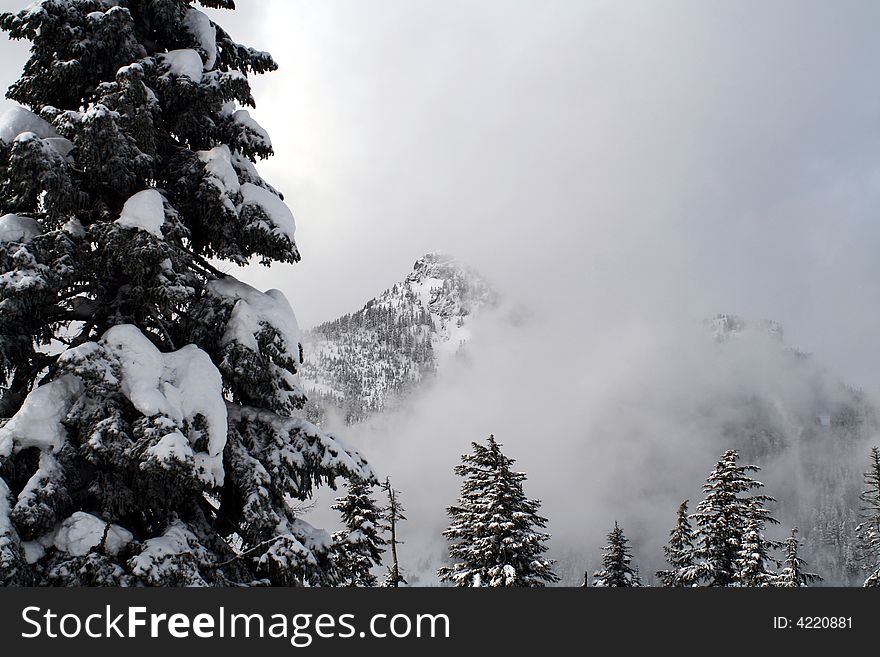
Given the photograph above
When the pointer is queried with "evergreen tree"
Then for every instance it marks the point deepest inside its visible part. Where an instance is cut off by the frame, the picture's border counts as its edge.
(723, 518)
(679, 552)
(752, 565)
(792, 573)
(494, 537)
(150, 398)
(617, 569)
(393, 514)
(869, 529)
(360, 545)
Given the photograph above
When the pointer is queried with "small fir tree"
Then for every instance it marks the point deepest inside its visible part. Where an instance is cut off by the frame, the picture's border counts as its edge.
(793, 574)
(724, 517)
(617, 569)
(679, 552)
(494, 535)
(360, 545)
(753, 563)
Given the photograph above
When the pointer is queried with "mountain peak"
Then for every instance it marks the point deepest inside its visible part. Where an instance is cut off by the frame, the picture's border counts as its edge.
(725, 326)
(440, 266)
(434, 257)
(361, 361)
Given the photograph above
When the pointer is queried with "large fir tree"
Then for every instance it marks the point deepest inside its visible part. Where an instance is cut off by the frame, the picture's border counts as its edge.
(360, 545)
(724, 518)
(869, 529)
(617, 569)
(150, 398)
(494, 535)
(679, 552)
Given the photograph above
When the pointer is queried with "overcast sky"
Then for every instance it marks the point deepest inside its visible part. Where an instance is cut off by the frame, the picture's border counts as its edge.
(624, 159)
(636, 158)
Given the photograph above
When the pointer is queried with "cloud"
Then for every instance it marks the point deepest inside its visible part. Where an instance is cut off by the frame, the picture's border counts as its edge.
(617, 159)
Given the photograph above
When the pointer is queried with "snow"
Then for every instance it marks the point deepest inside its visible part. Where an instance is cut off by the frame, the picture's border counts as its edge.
(246, 168)
(199, 25)
(38, 422)
(49, 147)
(252, 309)
(5, 509)
(82, 531)
(158, 553)
(276, 209)
(295, 544)
(47, 475)
(9, 540)
(18, 121)
(218, 166)
(185, 63)
(33, 551)
(311, 537)
(243, 117)
(173, 447)
(144, 211)
(18, 229)
(30, 275)
(179, 385)
(74, 227)
(305, 439)
(60, 144)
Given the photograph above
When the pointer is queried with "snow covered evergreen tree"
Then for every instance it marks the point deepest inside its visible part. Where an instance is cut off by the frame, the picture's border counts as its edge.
(869, 529)
(792, 573)
(753, 562)
(494, 535)
(617, 569)
(723, 518)
(360, 545)
(679, 552)
(149, 397)
(393, 514)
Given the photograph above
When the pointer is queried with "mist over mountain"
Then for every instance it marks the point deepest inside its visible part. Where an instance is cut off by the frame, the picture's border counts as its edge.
(810, 430)
(608, 426)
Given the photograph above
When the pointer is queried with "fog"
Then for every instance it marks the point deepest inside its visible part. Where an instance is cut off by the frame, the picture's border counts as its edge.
(622, 171)
(610, 424)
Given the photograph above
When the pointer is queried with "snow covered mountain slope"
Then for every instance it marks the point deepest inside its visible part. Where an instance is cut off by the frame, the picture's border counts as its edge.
(359, 363)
